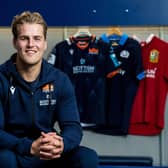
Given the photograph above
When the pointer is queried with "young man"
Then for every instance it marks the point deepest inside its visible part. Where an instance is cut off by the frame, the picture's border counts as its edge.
(33, 96)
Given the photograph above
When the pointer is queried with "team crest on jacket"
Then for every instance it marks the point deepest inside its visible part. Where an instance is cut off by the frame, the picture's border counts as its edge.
(154, 56)
(82, 61)
(49, 100)
(71, 51)
(124, 54)
(48, 87)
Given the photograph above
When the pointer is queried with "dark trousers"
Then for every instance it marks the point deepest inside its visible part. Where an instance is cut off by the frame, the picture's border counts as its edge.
(81, 157)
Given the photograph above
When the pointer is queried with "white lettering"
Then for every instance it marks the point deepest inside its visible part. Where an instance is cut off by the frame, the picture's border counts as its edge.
(47, 102)
(83, 69)
(150, 73)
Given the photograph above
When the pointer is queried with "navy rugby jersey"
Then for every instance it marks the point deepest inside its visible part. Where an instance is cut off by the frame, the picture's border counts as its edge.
(85, 61)
(122, 84)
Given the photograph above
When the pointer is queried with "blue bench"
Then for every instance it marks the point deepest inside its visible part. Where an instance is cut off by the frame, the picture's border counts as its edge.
(118, 161)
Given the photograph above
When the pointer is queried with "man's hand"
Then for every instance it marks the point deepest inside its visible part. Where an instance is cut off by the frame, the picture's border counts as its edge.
(35, 148)
(51, 146)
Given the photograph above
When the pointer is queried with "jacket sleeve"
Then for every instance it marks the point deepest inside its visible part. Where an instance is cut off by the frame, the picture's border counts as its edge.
(68, 116)
(9, 141)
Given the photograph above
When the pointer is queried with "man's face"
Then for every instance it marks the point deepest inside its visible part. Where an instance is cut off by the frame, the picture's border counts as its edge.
(30, 44)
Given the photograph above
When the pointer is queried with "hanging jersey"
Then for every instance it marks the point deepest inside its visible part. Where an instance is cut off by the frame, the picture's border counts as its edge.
(85, 62)
(123, 84)
(148, 110)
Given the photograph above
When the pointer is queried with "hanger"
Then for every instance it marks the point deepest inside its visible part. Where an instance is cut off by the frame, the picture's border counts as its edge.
(149, 38)
(114, 31)
(134, 36)
(82, 32)
(82, 37)
(114, 35)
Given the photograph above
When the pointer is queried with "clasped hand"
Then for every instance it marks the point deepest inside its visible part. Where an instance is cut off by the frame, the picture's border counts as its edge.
(48, 146)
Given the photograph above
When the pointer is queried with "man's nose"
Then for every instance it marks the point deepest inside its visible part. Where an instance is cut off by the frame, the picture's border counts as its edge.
(30, 42)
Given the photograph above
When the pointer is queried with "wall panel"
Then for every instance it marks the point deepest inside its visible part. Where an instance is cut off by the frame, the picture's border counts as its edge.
(155, 146)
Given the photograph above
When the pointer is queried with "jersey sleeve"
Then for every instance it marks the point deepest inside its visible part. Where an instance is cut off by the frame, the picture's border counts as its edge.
(52, 56)
(166, 63)
(136, 51)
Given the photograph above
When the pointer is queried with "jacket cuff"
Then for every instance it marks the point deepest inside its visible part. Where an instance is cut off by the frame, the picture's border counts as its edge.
(24, 146)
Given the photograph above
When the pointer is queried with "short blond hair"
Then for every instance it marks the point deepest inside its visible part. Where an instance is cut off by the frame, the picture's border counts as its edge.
(28, 17)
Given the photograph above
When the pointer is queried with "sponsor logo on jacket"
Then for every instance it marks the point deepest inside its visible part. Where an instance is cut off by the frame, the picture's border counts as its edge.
(47, 89)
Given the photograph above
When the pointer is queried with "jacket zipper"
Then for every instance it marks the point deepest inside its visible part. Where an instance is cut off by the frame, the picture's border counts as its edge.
(33, 108)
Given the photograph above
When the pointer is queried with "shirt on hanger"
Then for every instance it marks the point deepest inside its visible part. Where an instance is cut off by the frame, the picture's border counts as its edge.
(148, 109)
(86, 61)
(122, 87)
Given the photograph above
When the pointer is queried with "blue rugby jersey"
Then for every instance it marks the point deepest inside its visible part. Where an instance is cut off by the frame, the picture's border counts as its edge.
(122, 84)
(86, 61)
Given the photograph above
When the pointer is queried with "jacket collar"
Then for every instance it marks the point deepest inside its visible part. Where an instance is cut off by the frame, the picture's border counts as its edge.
(45, 75)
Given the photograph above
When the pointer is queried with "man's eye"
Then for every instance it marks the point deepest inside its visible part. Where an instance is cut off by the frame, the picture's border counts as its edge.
(22, 38)
(37, 38)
